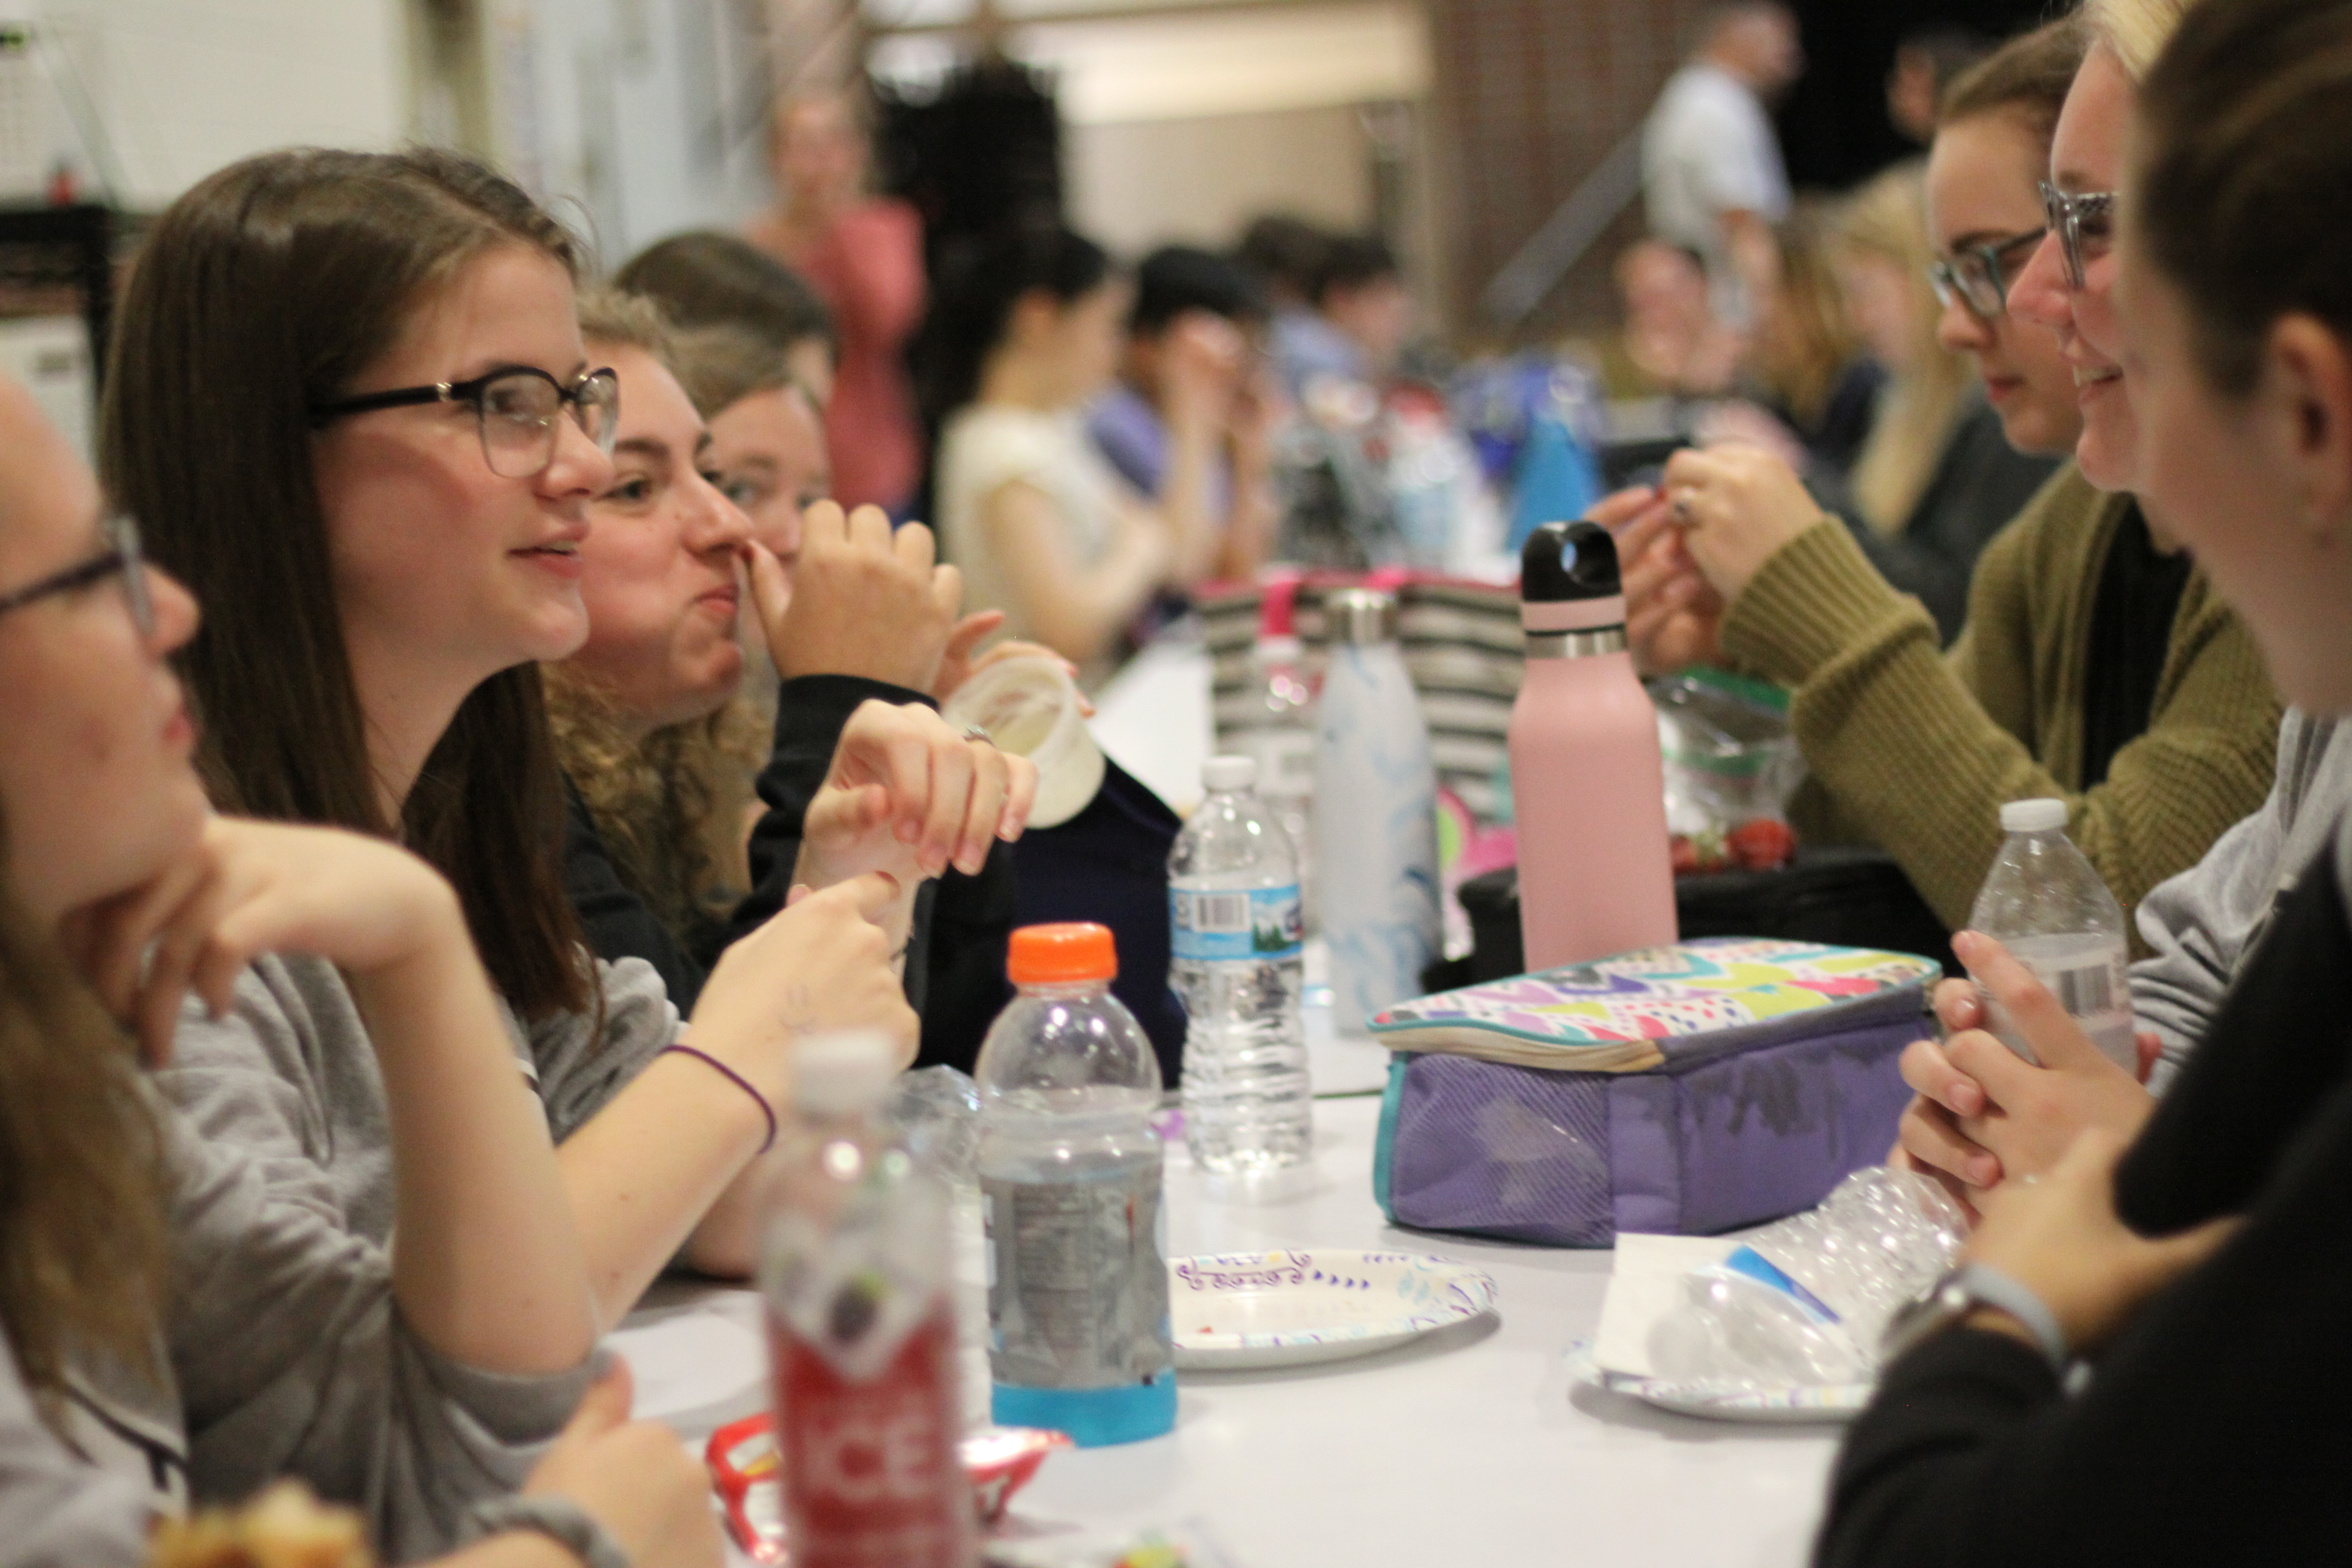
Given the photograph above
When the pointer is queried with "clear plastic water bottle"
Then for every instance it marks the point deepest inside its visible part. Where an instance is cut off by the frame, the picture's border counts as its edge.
(1070, 1196)
(1235, 929)
(1278, 730)
(2045, 903)
(1806, 1301)
(1375, 814)
(861, 1325)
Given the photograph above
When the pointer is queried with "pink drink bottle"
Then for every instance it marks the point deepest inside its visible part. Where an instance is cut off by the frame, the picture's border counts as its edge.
(1596, 872)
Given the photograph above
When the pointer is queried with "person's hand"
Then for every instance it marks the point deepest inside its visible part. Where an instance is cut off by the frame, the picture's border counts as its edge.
(1202, 358)
(1736, 505)
(1738, 420)
(909, 795)
(2027, 1115)
(822, 963)
(633, 1478)
(860, 600)
(1673, 617)
(2058, 1237)
(246, 889)
(1960, 1005)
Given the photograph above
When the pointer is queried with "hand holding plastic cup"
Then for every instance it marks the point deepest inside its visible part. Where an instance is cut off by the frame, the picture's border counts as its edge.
(1030, 708)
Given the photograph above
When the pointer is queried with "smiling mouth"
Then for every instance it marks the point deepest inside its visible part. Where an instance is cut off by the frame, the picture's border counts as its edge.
(567, 548)
(2084, 377)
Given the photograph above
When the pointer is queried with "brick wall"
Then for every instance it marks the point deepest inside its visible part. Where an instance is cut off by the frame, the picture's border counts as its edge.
(1529, 96)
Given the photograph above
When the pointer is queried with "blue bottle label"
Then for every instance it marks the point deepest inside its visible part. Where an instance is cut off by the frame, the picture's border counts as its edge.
(1256, 923)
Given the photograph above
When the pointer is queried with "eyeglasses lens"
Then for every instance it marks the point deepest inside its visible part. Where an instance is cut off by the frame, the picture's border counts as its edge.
(124, 534)
(518, 415)
(596, 405)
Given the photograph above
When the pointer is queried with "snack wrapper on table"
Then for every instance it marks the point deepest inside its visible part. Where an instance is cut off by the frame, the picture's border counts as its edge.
(1731, 766)
(744, 1465)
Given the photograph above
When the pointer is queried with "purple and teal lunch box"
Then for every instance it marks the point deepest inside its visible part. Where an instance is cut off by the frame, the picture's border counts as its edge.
(1691, 1089)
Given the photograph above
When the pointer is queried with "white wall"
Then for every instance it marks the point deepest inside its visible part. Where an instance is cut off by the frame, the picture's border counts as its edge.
(1139, 184)
(181, 87)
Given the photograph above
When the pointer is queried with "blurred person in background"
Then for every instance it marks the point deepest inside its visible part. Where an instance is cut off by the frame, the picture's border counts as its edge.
(1807, 364)
(1936, 479)
(708, 278)
(864, 256)
(1671, 344)
(1024, 332)
(1285, 255)
(1362, 315)
(1197, 321)
(1712, 176)
(1926, 63)
(2094, 666)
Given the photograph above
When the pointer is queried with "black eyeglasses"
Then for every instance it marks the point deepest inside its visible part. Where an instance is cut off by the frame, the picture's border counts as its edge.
(121, 558)
(515, 409)
(1977, 274)
(2079, 221)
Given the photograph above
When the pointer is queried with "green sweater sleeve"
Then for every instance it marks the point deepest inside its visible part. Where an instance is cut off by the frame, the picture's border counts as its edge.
(1911, 758)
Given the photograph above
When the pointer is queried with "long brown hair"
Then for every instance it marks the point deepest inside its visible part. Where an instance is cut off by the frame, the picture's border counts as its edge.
(263, 292)
(2243, 191)
(82, 1210)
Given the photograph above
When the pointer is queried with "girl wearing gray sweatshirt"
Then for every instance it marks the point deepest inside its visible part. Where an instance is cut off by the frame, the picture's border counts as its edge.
(172, 1324)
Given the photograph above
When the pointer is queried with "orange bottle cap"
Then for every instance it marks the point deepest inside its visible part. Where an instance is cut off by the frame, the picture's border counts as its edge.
(1062, 955)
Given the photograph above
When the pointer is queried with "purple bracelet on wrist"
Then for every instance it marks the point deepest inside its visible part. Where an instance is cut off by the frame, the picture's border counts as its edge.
(740, 1082)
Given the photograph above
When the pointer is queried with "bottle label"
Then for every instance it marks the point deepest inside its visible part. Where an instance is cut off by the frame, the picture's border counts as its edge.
(870, 1470)
(1078, 1296)
(1251, 924)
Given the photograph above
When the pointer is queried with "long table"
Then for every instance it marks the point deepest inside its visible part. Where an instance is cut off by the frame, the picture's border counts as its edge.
(1471, 1446)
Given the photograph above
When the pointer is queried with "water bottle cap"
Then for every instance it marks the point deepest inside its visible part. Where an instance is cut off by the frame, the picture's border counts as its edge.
(1565, 562)
(2032, 815)
(1360, 616)
(1221, 774)
(1061, 954)
(844, 1072)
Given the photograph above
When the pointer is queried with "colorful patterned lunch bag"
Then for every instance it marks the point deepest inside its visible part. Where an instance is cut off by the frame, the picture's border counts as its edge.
(1692, 1089)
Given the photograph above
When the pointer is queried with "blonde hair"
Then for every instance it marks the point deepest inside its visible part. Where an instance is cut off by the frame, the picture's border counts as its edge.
(1804, 341)
(1887, 217)
(2134, 31)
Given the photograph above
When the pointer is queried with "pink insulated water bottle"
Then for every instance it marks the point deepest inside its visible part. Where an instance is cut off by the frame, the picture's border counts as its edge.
(1596, 874)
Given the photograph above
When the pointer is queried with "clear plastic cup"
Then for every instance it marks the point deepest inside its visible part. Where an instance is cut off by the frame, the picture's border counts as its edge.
(1030, 709)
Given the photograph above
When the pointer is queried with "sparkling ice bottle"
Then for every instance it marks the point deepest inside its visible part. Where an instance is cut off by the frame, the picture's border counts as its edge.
(2045, 903)
(1070, 1195)
(862, 1327)
(1375, 822)
(1235, 928)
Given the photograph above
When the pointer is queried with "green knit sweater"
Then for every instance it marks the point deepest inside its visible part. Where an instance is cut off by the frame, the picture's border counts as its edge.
(1915, 751)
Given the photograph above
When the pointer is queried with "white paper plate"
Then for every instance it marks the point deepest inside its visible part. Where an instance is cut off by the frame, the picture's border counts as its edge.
(1274, 1309)
(1812, 1404)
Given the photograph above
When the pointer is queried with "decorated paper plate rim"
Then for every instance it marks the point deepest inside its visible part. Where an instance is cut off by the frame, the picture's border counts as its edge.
(1725, 1401)
(1442, 1292)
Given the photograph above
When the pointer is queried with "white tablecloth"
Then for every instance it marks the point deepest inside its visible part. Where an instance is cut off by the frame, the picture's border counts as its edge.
(1471, 1447)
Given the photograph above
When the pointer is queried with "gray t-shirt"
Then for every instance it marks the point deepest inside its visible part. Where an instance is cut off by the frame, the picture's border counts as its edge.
(284, 1355)
(2200, 924)
(290, 1077)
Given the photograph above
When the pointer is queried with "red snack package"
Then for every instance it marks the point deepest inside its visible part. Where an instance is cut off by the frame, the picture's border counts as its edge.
(997, 1460)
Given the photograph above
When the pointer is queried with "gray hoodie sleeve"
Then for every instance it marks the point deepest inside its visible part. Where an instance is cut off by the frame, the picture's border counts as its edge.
(2200, 924)
(576, 1070)
(292, 1358)
(57, 1509)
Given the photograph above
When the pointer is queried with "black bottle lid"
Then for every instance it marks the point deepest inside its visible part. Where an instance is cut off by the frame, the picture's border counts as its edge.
(1566, 562)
